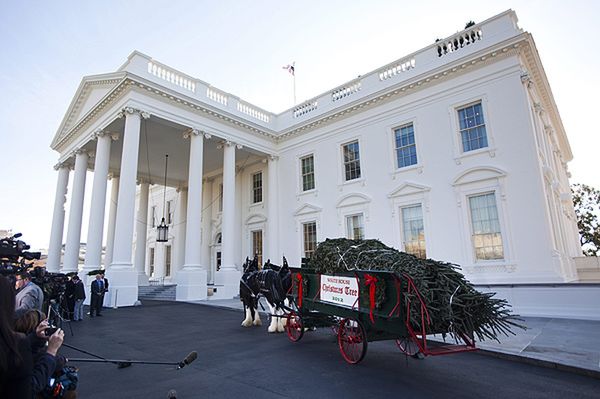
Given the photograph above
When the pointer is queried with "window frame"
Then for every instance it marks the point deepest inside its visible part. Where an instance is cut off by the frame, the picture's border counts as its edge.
(256, 189)
(348, 217)
(304, 238)
(472, 231)
(302, 175)
(403, 231)
(168, 260)
(395, 149)
(262, 244)
(360, 169)
(490, 150)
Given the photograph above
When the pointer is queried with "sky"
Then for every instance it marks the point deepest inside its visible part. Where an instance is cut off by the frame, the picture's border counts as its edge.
(47, 47)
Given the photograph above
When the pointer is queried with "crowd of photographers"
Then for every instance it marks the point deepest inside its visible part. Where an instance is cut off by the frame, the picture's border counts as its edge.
(29, 360)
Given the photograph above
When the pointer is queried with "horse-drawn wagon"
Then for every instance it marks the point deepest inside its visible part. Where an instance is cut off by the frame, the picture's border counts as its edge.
(365, 306)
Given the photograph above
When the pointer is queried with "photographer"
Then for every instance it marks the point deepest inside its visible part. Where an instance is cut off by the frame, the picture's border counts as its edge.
(20, 375)
(29, 295)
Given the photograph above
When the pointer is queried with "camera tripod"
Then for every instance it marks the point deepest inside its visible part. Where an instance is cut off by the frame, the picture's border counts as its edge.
(55, 317)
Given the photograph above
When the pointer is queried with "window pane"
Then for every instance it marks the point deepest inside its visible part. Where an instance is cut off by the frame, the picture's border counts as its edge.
(167, 260)
(472, 127)
(310, 238)
(257, 245)
(257, 187)
(308, 173)
(354, 227)
(406, 149)
(413, 231)
(351, 161)
(486, 236)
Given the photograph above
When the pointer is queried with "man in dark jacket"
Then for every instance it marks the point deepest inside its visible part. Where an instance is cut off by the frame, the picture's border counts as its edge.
(78, 297)
(98, 289)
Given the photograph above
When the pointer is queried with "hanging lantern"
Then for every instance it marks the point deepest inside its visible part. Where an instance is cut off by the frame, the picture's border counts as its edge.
(162, 231)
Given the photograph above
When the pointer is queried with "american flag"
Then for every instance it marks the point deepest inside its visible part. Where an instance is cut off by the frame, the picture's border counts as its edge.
(290, 68)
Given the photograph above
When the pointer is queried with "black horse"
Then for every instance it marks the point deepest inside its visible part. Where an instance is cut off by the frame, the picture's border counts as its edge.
(273, 283)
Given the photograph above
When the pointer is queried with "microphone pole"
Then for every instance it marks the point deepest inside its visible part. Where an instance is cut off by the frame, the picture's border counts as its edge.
(120, 364)
(126, 363)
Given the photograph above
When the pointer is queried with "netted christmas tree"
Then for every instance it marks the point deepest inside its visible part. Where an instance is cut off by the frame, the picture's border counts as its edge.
(454, 305)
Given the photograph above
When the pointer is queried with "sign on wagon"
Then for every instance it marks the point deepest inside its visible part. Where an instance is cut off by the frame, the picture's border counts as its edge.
(339, 290)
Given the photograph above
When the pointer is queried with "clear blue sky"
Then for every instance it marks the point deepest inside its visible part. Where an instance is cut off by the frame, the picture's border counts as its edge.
(240, 47)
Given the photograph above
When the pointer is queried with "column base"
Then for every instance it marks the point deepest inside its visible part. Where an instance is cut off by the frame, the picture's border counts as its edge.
(191, 285)
(229, 282)
(142, 279)
(122, 287)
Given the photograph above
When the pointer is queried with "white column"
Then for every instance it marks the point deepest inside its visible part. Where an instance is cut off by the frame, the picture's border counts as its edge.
(191, 280)
(207, 189)
(228, 224)
(112, 217)
(180, 223)
(93, 253)
(272, 208)
(141, 234)
(228, 277)
(123, 278)
(58, 219)
(71, 260)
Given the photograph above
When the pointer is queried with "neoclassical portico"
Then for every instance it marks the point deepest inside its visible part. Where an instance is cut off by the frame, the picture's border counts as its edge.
(128, 150)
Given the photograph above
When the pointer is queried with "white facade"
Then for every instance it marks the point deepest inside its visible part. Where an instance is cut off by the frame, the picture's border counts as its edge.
(390, 160)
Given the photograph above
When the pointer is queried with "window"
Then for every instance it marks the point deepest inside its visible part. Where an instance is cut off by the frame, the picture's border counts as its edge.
(154, 216)
(487, 239)
(307, 165)
(413, 231)
(218, 260)
(354, 227)
(310, 238)
(257, 188)
(257, 245)
(472, 127)
(151, 262)
(351, 161)
(220, 197)
(406, 149)
(169, 212)
(167, 260)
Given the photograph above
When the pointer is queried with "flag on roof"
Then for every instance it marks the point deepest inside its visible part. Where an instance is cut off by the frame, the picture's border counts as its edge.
(290, 68)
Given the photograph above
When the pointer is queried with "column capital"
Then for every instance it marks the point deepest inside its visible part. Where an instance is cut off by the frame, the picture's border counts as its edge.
(114, 136)
(78, 151)
(143, 180)
(131, 111)
(64, 164)
(113, 175)
(526, 78)
(191, 132)
(229, 143)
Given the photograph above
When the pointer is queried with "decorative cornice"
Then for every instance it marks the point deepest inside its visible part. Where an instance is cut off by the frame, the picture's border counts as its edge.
(132, 82)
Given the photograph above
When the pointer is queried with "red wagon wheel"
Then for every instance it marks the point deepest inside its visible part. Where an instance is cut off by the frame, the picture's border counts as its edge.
(294, 327)
(408, 346)
(352, 340)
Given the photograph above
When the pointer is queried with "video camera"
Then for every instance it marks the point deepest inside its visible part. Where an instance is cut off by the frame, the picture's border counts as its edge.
(12, 249)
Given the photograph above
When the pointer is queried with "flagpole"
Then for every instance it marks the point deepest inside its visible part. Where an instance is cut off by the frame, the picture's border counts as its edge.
(294, 88)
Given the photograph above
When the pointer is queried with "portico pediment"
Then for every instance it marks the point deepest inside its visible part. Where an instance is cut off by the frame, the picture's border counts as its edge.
(307, 209)
(478, 174)
(91, 91)
(353, 199)
(408, 189)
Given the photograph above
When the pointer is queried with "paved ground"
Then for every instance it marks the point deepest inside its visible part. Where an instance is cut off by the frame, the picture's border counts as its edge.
(250, 363)
(559, 343)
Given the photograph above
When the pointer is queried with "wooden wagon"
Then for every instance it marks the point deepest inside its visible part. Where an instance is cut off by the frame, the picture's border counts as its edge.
(365, 306)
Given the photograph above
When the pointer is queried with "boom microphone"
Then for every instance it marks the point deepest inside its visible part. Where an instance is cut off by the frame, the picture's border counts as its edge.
(188, 359)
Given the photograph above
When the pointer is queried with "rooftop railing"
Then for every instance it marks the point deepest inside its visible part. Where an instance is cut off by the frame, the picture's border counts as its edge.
(484, 34)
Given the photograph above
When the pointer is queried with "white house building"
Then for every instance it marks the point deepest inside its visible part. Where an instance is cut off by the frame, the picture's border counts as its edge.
(456, 152)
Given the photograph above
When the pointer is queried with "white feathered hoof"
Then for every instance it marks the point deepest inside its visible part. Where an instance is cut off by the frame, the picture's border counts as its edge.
(273, 326)
(280, 327)
(257, 321)
(246, 323)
